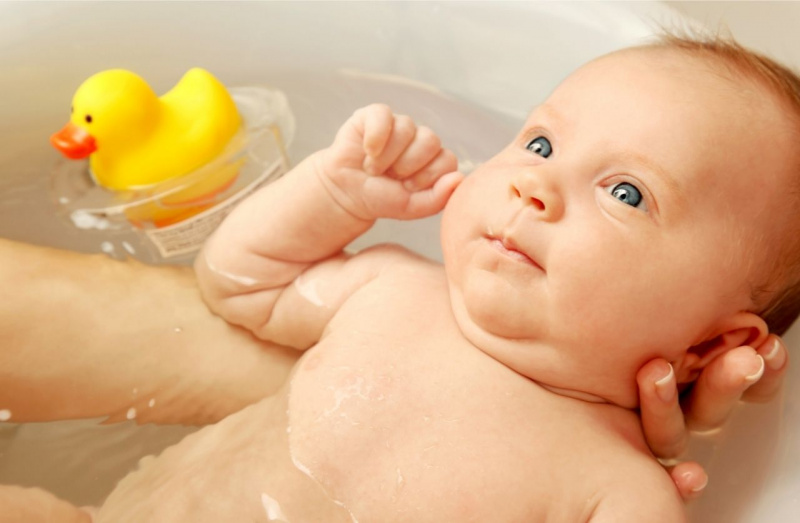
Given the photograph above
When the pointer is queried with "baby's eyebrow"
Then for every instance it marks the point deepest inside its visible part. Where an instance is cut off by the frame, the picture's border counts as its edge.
(553, 116)
(649, 164)
(550, 112)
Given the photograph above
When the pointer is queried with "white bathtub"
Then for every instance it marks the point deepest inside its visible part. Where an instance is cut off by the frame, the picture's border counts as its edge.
(470, 70)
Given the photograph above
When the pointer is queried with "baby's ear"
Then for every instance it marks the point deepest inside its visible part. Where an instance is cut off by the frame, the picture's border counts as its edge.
(742, 328)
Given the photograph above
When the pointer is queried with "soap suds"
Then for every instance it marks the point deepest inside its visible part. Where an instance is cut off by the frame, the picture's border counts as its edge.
(86, 220)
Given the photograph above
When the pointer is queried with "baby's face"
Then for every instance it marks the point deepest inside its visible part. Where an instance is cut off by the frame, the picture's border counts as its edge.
(622, 223)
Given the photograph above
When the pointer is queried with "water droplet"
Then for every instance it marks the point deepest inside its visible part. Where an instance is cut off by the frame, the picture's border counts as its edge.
(151, 403)
(128, 247)
(131, 413)
(272, 508)
(178, 329)
(5, 415)
(107, 247)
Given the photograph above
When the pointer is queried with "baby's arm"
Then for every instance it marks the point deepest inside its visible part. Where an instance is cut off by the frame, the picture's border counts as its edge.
(294, 230)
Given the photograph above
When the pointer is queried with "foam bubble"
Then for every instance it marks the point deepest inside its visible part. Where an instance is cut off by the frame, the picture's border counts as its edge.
(86, 220)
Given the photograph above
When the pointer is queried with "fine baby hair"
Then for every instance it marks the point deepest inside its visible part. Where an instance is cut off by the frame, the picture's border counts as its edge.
(776, 290)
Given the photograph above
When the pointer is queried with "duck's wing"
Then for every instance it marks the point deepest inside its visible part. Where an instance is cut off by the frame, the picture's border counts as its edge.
(201, 106)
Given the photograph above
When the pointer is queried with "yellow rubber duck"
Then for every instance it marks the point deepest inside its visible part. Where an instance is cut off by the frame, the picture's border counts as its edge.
(136, 139)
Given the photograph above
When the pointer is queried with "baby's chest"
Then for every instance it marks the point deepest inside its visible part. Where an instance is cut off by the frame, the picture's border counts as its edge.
(402, 422)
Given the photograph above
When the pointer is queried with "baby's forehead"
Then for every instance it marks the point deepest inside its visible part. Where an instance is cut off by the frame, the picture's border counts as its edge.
(638, 67)
(720, 138)
(657, 82)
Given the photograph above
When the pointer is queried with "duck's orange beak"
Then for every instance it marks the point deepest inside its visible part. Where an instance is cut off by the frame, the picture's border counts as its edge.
(73, 142)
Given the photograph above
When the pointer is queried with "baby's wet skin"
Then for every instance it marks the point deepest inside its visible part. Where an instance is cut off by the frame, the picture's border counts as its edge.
(237, 470)
(499, 387)
(370, 428)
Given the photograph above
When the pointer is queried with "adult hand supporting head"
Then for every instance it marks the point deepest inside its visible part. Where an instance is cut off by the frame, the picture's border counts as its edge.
(743, 373)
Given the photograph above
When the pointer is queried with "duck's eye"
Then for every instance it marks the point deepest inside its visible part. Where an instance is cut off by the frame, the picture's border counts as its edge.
(627, 193)
(88, 118)
(541, 146)
(71, 110)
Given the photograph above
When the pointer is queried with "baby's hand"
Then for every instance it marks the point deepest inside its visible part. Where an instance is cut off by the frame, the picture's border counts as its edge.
(381, 165)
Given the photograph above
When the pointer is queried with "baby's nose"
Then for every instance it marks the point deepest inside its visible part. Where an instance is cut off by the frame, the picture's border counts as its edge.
(540, 193)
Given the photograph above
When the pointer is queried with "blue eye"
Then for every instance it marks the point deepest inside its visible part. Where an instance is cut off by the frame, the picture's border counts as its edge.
(541, 146)
(627, 193)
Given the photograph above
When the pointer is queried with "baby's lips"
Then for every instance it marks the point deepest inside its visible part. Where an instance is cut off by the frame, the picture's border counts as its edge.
(73, 142)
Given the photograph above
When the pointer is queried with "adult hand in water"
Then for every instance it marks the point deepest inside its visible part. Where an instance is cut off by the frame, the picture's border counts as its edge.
(85, 336)
(745, 373)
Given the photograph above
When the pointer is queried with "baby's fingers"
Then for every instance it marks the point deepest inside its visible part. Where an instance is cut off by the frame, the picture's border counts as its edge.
(402, 133)
(368, 131)
(425, 146)
(378, 121)
(444, 162)
(432, 200)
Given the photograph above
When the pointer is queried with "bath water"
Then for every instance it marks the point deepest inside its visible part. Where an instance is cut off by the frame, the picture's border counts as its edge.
(82, 460)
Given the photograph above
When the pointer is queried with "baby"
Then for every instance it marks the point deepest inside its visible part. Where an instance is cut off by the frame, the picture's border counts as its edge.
(631, 218)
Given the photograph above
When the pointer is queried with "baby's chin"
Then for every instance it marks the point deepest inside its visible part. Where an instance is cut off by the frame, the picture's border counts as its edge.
(540, 360)
(494, 305)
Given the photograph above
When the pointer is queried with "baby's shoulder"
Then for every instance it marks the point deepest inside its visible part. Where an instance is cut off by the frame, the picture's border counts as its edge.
(391, 259)
(638, 489)
(394, 253)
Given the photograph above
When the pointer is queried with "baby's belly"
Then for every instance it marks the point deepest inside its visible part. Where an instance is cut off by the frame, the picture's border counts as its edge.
(237, 470)
(368, 432)
(409, 435)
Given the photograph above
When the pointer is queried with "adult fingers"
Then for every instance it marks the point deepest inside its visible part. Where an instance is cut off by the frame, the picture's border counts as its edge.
(662, 418)
(690, 479)
(720, 387)
(776, 362)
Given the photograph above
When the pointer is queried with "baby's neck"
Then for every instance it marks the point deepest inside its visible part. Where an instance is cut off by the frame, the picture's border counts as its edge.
(574, 394)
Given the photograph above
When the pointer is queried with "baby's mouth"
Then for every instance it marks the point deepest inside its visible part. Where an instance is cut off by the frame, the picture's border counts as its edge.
(508, 247)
